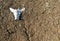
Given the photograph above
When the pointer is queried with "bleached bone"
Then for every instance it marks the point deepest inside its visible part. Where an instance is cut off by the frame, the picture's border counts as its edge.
(17, 12)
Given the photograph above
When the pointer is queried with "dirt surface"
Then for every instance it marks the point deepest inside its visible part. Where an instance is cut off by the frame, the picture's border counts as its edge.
(41, 20)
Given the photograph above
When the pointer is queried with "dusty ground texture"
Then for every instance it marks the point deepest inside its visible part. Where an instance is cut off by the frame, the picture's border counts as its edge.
(41, 20)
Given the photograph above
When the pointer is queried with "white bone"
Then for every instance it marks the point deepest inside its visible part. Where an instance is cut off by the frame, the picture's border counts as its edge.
(17, 12)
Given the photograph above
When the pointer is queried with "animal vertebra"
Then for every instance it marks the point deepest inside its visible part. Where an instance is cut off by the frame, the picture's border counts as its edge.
(17, 13)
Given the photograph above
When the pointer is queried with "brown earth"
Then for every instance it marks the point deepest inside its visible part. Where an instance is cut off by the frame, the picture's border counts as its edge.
(41, 20)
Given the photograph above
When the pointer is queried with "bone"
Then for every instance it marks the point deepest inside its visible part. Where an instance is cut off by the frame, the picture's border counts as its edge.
(17, 13)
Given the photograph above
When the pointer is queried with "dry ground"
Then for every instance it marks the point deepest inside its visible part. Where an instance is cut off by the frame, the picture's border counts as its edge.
(41, 21)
